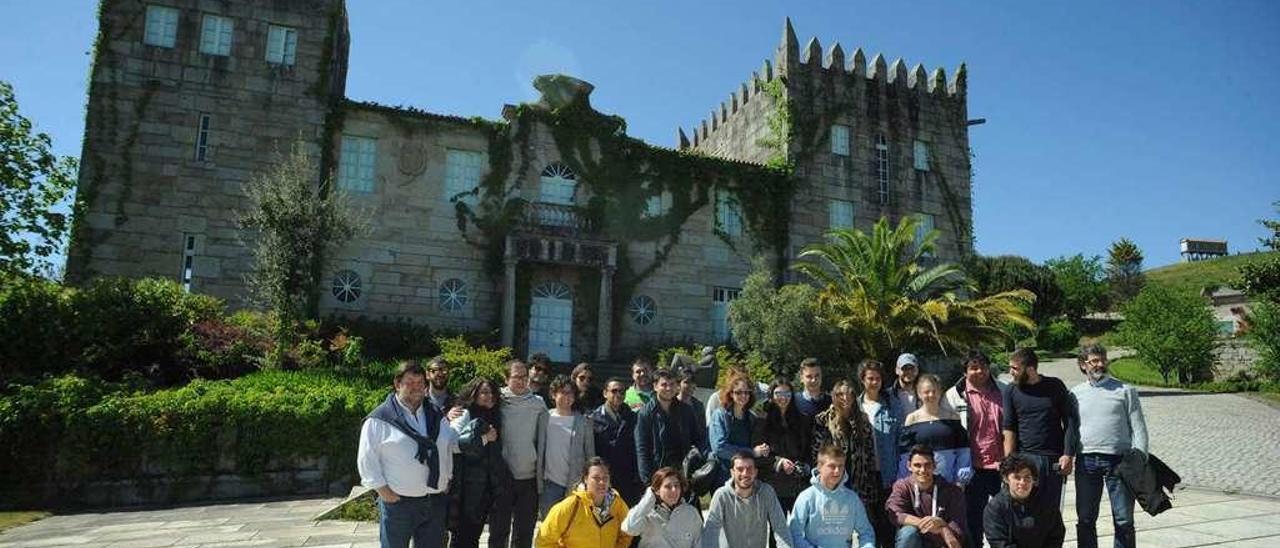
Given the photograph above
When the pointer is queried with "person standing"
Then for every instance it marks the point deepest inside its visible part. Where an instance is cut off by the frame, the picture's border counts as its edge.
(666, 429)
(786, 432)
(939, 428)
(405, 454)
(744, 511)
(1015, 518)
(1041, 421)
(828, 513)
(524, 420)
(590, 517)
(641, 390)
(904, 387)
(846, 427)
(812, 400)
(569, 440)
(733, 425)
(438, 384)
(540, 376)
(663, 519)
(688, 391)
(589, 397)
(881, 411)
(927, 509)
(615, 431)
(1111, 424)
(481, 474)
(978, 398)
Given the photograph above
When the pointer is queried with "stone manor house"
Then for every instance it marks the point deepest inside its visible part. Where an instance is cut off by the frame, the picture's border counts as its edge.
(550, 225)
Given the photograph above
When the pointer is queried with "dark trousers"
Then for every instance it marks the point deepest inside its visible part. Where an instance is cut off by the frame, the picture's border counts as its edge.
(984, 485)
(514, 515)
(1094, 470)
(422, 519)
(1049, 481)
(467, 531)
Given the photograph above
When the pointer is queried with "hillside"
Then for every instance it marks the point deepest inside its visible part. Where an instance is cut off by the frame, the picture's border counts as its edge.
(1194, 276)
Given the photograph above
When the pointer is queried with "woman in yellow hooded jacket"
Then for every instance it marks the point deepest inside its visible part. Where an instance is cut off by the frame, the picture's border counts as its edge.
(590, 517)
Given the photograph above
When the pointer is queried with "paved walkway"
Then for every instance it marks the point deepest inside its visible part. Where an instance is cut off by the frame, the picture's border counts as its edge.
(1222, 445)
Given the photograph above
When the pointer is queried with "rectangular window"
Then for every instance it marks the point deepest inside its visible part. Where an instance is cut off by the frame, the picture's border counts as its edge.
(357, 163)
(282, 45)
(215, 35)
(920, 150)
(728, 214)
(925, 227)
(840, 214)
(882, 168)
(840, 139)
(462, 174)
(720, 299)
(188, 261)
(162, 26)
(202, 138)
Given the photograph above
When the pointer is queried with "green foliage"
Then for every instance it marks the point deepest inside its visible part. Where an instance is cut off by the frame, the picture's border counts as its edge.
(781, 325)
(1196, 275)
(1137, 371)
(468, 362)
(1059, 336)
(1124, 270)
(1261, 279)
(296, 220)
(1272, 241)
(35, 319)
(1264, 336)
(874, 289)
(32, 181)
(1084, 289)
(1174, 331)
(992, 275)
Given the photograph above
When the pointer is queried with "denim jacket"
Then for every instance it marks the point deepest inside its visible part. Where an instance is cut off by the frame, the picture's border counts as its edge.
(886, 422)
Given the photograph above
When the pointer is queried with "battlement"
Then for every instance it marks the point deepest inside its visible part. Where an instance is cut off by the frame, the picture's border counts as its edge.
(790, 63)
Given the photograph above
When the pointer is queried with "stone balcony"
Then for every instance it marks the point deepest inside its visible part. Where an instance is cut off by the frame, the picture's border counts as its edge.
(559, 234)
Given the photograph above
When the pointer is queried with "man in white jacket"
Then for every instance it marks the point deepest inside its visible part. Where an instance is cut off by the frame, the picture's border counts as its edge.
(662, 518)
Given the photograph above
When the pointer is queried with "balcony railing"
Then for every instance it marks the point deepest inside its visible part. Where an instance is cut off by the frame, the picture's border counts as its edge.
(556, 220)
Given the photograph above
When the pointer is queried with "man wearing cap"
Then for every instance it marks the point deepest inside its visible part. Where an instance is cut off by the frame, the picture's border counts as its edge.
(904, 388)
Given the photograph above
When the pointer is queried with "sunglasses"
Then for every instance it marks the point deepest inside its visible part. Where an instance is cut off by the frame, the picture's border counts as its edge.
(782, 394)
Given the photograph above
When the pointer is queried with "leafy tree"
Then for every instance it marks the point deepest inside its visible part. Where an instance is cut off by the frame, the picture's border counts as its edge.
(1261, 280)
(992, 275)
(1124, 270)
(32, 181)
(873, 288)
(1264, 336)
(1083, 287)
(296, 221)
(1171, 330)
(1273, 241)
(781, 325)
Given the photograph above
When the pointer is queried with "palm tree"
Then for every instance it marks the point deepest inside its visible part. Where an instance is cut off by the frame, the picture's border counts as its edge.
(874, 288)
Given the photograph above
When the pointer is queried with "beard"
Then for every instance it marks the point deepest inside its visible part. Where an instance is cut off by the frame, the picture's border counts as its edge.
(1021, 378)
(1096, 375)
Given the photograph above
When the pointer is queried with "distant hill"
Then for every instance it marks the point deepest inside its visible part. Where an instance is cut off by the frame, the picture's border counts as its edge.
(1194, 276)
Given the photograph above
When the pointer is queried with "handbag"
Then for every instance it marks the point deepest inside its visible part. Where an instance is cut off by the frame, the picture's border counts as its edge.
(702, 472)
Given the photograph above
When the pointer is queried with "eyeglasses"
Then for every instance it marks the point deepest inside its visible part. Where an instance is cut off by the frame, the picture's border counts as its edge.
(585, 378)
(741, 392)
(1096, 361)
(782, 394)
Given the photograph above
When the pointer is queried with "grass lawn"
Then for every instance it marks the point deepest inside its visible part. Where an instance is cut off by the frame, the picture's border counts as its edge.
(1194, 276)
(9, 520)
(1135, 371)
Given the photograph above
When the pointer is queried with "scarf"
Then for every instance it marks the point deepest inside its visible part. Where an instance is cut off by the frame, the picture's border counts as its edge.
(390, 412)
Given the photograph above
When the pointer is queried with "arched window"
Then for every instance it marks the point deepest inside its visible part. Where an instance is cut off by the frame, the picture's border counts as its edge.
(552, 290)
(558, 184)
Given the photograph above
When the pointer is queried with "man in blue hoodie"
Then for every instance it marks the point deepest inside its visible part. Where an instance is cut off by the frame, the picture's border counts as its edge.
(827, 514)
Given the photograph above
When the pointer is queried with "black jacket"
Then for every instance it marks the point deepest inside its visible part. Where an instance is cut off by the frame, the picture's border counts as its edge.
(480, 474)
(791, 441)
(1149, 478)
(664, 438)
(616, 444)
(1009, 524)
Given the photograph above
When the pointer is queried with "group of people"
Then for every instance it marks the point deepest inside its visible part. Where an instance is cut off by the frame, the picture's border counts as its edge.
(895, 460)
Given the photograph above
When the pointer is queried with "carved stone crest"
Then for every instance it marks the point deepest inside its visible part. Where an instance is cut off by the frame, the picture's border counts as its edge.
(413, 159)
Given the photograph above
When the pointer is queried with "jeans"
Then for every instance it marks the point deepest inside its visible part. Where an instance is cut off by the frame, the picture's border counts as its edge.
(1092, 472)
(1049, 481)
(985, 484)
(552, 493)
(422, 519)
(909, 537)
(514, 515)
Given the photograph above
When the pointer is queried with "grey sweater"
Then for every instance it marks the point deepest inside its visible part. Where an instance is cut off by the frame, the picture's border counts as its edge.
(524, 424)
(739, 522)
(1111, 420)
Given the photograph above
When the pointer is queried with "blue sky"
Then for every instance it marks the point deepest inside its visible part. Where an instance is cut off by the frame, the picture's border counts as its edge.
(1150, 120)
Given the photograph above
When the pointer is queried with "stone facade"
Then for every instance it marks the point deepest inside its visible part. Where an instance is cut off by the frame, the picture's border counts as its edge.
(161, 191)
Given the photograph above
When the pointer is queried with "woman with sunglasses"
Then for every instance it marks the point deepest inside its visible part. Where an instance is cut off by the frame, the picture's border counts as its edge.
(786, 431)
(733, 425)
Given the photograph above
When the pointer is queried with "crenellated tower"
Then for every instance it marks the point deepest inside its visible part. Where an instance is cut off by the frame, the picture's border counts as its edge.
(866, 140)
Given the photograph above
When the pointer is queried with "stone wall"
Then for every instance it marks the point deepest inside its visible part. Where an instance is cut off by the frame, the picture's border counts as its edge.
(1232, 357)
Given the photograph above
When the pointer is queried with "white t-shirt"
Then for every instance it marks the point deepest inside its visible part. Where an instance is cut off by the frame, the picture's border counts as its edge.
(559, 435)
